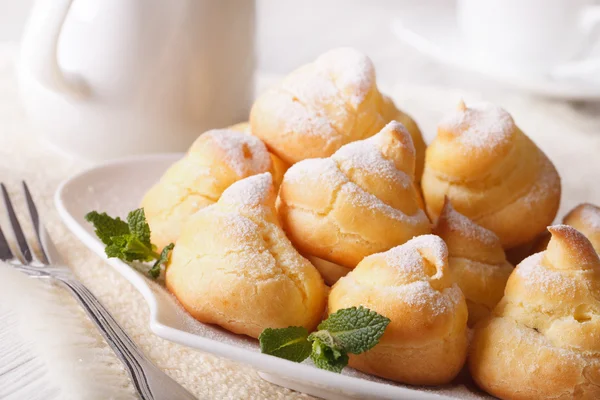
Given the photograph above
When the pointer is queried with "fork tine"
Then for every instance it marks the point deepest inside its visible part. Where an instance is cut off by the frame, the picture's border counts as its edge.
(35, 220)
(16, 226)
(5, 252)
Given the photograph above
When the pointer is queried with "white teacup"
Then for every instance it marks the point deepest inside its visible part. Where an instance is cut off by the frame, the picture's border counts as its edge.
(528, 35)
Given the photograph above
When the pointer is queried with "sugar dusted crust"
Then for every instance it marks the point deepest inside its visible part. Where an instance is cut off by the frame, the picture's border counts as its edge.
(243, 273)
(492, 173)
(357, 202)
(476, 259)
(324, 105)
(426, 340)
(586, 218)
(542, 339)
(480, 125)
(215, 160)
(245, 154)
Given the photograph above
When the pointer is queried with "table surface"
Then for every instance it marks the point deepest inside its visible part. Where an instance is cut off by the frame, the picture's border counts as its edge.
(568, 132)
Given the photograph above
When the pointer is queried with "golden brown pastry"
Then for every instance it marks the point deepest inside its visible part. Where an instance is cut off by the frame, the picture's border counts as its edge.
(357, 202)
(492, 172)
(217, 159)
(477, 261)
(426, 340)
(391, 113)
(233, 266)
(331, 272)
(243, 127)
(517, 254)
(586, 219)
(325, 104)
(279, 166)
(543, 339)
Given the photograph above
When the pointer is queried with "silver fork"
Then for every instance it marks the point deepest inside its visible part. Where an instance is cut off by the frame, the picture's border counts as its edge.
(150, 382)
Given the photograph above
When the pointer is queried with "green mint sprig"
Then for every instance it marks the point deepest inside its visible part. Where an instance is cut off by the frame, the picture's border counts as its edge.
(129, 240)
(289, 343)
(350, 330)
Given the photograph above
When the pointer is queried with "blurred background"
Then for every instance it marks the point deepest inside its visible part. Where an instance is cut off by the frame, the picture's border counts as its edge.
(542, 52)
(291, 32)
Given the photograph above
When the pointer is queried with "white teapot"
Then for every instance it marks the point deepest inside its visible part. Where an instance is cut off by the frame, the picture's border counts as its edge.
(107, 78)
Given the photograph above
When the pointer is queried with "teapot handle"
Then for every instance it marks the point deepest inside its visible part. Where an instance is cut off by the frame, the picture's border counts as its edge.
(39, 45)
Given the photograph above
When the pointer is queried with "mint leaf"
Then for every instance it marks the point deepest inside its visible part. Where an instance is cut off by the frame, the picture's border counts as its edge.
(136, 250)
(350, 330)
(356, 330)
(136, 220)
(329, 358)
(116, 248)
(154, 272)
(129, 241)
(326, 338)
(106, 226)
(289, 343)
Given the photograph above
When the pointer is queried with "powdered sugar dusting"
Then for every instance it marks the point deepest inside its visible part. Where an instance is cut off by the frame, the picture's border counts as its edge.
(421, 295)
(324, 168)
(237, 227)
(576, 252)
(298, 118)
(363, 199)
(362, 155)
(460, 223)
(408, 257)
(314, 88)
(414, 286)
(480, 125)
(536, 275)
(366, 156)
(246, 154)
(320, 99)
(590, 215)
(251, 192)
(394, 126)
(352, 71)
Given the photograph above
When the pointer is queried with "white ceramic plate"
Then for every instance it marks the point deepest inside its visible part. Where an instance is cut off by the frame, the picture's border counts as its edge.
(117, 187)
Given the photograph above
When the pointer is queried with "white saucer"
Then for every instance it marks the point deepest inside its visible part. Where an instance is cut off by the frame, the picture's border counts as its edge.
(436, 35)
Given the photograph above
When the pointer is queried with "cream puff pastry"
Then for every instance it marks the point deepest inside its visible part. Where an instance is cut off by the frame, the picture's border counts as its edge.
(243, 127)
(476, 259)
(360, 201)
(331, 272)
(233, 266)
(493, 174)
(217, 159)
(426, 340)
(279, 166)
(325, 104)
(586, 219)
(543, 339)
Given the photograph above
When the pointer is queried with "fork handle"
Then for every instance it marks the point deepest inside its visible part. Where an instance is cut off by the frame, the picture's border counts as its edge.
(150, 382)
